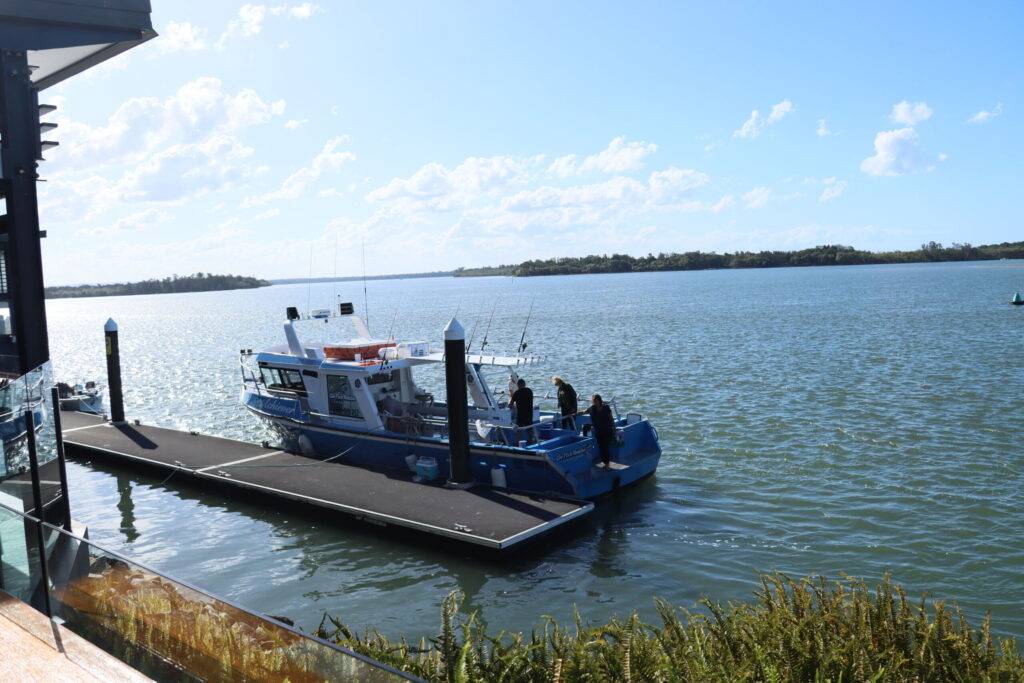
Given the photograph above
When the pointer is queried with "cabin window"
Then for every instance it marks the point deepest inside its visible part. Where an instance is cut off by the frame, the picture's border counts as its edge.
(341, 400)
(282, 379)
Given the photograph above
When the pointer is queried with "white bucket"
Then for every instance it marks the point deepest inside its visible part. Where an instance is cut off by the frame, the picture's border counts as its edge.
(410, 462)
(498, 478)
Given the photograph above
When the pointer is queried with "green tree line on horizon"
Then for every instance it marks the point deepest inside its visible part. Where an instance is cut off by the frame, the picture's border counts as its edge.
(823, 255)
(199, 282)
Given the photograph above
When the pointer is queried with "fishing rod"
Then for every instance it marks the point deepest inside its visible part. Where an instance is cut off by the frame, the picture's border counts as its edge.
(366, 301)
(472, 336)
(487, 331)
(522, 339)
(387, 361)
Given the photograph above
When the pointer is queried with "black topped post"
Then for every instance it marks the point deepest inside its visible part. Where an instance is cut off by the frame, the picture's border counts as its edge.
(458, 407)
(114, 372)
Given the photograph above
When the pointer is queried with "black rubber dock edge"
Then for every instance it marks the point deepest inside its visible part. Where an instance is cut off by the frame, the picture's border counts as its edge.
(480, 516)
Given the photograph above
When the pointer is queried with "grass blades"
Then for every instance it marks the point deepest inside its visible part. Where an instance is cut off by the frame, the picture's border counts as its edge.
(794, 630)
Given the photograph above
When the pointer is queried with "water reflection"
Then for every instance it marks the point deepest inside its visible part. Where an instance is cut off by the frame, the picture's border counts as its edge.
(126, 506)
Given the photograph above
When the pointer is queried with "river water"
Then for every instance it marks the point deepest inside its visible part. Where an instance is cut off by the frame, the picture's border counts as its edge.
(857, 420)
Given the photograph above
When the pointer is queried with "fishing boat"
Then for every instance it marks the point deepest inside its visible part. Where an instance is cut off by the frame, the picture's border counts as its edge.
(358, 402)
(84, 398)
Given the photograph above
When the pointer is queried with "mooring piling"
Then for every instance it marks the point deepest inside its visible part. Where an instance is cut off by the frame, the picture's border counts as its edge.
(114, 372)
(458, 406)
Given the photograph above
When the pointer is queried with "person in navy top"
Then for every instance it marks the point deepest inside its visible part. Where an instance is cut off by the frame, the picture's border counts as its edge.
(604, 426)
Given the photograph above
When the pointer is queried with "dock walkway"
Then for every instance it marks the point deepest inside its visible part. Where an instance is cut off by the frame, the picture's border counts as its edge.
(480, 516)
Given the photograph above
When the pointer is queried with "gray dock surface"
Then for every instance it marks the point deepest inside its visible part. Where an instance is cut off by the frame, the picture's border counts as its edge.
(481, 516)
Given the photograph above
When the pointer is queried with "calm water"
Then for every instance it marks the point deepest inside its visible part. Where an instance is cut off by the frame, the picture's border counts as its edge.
(816, 421)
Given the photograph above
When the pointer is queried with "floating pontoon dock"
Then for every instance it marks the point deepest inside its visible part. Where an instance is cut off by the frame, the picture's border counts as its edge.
(480, 516)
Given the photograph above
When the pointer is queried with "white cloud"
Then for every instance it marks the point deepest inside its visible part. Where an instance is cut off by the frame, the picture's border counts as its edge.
(330, 158)
(984, 116)
(780, 110)
(757, 198)
(896, 153)
(755, 123)
(822, 130)
(911, 114)
(674, 185)
(295, 124)
(303, 11)
(181, 37)
(751, 128)
(437, 187)
(134, 222)
(619, 156)
(250, 18)
(153, 150)
(834, 189)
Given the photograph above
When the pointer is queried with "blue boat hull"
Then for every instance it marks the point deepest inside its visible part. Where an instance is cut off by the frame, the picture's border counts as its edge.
(563, 467)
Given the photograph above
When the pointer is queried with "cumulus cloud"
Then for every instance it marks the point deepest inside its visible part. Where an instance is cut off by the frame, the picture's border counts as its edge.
(250, 18)
(159, 150)
(822, 130)
(896, 153)
(181, 37)
(911, 114)
(330, 158)
(295, 124)
(437, 187)
(757, 198)
(834, 189)
(779, 110)
(134, 222)
(755, 123)
(618, 157)
(986, 115)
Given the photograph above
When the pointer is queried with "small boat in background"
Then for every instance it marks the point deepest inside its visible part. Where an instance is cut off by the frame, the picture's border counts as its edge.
(84, 398)
(1017, 299)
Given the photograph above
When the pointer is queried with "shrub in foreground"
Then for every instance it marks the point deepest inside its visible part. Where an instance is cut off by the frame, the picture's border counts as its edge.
(795, 630)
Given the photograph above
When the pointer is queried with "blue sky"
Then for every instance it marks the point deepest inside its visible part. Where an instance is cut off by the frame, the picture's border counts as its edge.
(247, 137)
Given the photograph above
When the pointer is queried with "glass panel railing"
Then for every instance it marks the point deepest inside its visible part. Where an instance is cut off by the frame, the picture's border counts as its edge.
(162, 627)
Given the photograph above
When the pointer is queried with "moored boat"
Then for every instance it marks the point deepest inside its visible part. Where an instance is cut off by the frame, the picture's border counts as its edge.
(358, 402)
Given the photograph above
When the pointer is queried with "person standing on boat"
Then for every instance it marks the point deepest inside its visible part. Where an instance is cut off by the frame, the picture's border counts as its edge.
(568, 402)
(604, 426)
(522, 403)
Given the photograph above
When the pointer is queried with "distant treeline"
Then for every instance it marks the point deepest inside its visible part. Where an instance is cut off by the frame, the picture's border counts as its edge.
(200, 282)
(352, 278)
(824, 255)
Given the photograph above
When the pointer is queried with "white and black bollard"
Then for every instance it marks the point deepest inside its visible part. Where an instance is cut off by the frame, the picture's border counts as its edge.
(114, 372)
(458, 406)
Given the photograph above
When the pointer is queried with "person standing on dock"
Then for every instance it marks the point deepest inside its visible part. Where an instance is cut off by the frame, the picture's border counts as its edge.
(568, 402)
(522, 403)
(604, 426)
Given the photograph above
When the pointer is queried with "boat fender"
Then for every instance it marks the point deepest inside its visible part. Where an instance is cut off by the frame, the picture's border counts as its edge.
(306, 446)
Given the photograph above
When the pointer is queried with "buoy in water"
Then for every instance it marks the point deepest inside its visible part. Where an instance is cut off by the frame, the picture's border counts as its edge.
(1017, 300)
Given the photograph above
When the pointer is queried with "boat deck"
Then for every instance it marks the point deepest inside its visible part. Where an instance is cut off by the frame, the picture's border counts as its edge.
(479, 516)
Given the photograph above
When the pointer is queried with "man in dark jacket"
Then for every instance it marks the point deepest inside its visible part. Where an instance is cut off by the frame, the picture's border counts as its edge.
(604, 426)
(522, 403)
(568, 402)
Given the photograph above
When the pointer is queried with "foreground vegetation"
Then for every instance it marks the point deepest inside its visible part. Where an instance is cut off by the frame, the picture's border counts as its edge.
(200, 282)
(807, 630)
(825, 255)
